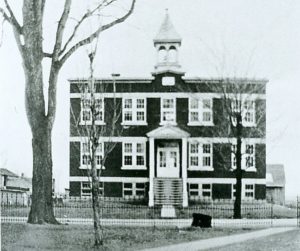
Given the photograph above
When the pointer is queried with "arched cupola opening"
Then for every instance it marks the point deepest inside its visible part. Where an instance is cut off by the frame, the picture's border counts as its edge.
(162, 54)
(172, 54)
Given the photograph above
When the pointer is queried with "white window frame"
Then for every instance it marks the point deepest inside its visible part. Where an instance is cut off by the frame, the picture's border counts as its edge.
(246, 157)
(249, 189)
(134, 110)
(88, 110)
(171, 110)
(200, 109)
(134, 189)
(134, 155)
(233, 191)
(88, 195)
(245, 190)
(247, 110)
(201, 156)
(199, 191)
(84, 144)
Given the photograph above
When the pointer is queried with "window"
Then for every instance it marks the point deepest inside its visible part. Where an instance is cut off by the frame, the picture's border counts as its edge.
(206, 190)
(249, 191)
(134, 155)
(200, 156)
(233, 191)
(133, 190)
(99, 109)
(86, 114)
(248, 156)
(194, 190)
(249, 113)
(134, 111)
(86, 189)
(86, 155)
(200, 111)
(247, 110)
(168, 111)
(200, 190)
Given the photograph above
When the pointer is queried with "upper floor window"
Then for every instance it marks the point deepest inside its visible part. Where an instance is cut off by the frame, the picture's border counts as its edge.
(248, 156)
(246, 109)
(134, 155)
(86, 157)
(134, 111)
(200, 111)
(86, 111)
(200, 156)
(168, 111)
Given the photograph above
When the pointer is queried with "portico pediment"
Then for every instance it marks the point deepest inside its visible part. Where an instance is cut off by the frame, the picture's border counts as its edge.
(168, 132)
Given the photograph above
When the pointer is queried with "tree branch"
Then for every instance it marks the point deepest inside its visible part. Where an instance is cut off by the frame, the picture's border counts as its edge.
(83, 18)
(60, 29)
(12, 19)
(47, 55)
(94, 35)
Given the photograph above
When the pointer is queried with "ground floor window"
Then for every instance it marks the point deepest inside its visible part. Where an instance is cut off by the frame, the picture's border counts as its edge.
(249, 191)
(86, 189)
(200, 191)
(131, 190)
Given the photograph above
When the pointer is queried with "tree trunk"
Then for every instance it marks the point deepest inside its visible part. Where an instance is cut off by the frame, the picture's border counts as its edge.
(238, 196)
(42, 204)
(238, 188)
(97, 226)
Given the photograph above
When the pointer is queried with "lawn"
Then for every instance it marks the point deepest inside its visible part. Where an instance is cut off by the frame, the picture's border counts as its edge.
(77, 237)
(289, 241)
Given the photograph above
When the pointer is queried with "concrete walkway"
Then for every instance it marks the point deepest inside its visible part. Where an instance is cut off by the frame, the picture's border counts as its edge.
(221, 241)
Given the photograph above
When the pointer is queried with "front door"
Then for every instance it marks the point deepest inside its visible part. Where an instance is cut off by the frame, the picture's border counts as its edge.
(168, 162)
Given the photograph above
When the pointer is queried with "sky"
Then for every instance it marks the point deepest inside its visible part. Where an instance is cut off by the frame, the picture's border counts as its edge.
(250, 38)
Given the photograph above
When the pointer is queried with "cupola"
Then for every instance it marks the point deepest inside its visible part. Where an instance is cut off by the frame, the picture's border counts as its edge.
(167, 43)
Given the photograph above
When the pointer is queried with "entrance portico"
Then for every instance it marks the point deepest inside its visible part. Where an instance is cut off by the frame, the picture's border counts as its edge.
(168, 160)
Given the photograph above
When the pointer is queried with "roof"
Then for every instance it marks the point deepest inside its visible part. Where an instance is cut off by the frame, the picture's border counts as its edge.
(168, 132)
(19, 182)
(275, 176)
(4, 171)
(167, 32)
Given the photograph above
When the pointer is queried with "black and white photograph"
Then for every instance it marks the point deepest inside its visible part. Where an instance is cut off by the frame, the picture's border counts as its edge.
(150, 125)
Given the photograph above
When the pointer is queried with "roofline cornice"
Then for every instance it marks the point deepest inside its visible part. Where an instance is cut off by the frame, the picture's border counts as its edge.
(225, 80)
(110, 80)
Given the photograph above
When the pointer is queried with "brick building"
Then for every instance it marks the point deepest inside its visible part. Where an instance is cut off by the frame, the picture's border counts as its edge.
(172, 148)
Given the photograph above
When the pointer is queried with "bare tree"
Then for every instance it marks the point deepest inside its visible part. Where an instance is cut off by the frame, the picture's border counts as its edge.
(94, 148)
(29, 38)
(240, 98)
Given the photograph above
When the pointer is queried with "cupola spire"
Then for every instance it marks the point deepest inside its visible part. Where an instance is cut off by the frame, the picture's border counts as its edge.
(167, 43)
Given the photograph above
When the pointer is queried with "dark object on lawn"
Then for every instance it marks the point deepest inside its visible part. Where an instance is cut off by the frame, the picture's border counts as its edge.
(201, 220)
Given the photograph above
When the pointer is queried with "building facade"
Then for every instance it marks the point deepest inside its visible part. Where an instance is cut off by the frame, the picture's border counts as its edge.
(275, 184)
(174, 146)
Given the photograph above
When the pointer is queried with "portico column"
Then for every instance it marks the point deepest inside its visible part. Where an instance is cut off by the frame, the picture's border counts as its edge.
(151, 171)
(184, 172)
